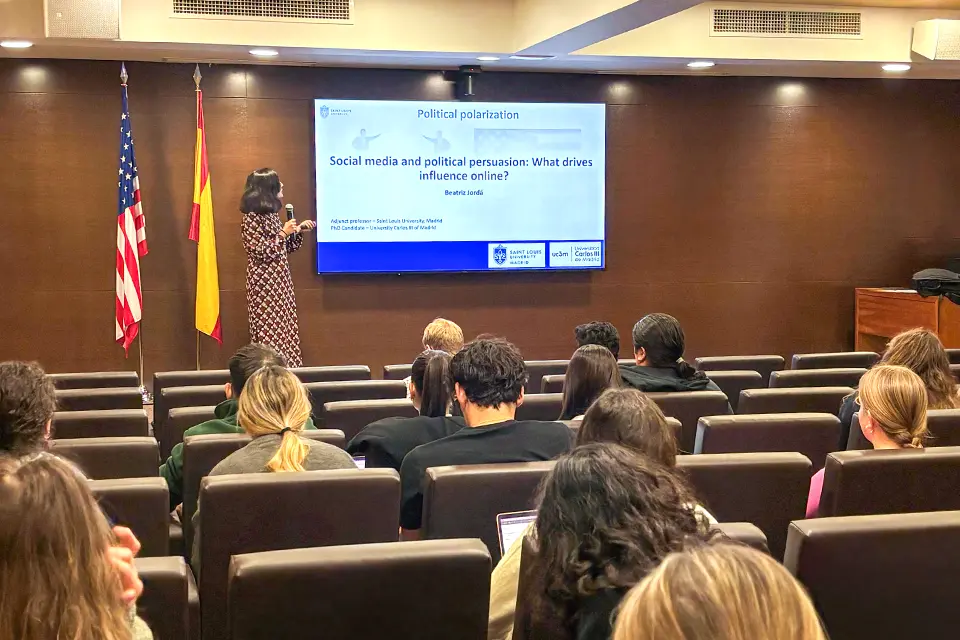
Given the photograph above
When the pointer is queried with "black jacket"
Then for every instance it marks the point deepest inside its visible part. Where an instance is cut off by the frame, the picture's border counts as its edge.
(650, 379)
(386, 442)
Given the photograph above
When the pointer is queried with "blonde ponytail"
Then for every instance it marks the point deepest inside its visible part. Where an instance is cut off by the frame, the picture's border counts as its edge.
(274, 402)
(896, 399)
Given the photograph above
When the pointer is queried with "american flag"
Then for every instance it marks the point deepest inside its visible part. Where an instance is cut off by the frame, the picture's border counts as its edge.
(131, 233)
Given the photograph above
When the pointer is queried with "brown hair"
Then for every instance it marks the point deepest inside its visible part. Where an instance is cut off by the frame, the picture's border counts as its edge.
(921, 351)
(27, 403)
(275, 401)
(897, 400)
(718, 592)
(443, 335)
(592, 370)
(630, 418)
(56, 580)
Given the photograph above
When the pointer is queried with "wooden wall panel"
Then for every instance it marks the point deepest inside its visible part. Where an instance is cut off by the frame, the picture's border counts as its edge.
(748, 207)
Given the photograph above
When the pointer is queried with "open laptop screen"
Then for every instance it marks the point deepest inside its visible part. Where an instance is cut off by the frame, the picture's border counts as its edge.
(511, 526)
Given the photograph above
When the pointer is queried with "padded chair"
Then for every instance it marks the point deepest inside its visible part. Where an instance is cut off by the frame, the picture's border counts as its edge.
(110, 423)
(955, 370)
(169, 398)
(854, 359)
(108, 458)
(763, 365)
(857, 570)
(899, 481)
(816, 378)
(767, 489)
(953, 355)
(744, 533)
(322, 393)
(688, 407)
(178, 420)
(397, 371)
(351, 416)
(733, 382)
(944, 426)
(99, 399)
(170, 604)
(799, 400)
(536, 369)
(540, 406)
(812, 434)
(142, 505)
(428, 590)
(95, 380)
(272, 511)
(552, 383)
(164, 379)
(488, 489)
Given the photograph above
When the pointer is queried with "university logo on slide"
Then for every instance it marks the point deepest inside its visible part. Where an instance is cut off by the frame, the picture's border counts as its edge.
(324, 111)
(500, 254)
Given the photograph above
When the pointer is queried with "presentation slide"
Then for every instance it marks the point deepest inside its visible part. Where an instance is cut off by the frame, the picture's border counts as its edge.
(459, 186)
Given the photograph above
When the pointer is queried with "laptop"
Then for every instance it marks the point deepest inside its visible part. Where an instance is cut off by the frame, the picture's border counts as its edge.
(360, 461)
(511, 526)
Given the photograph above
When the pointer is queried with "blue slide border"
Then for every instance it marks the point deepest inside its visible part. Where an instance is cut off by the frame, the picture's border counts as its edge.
(427, 257)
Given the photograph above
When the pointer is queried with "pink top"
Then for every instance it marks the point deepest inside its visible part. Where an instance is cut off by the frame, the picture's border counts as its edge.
(813, 498)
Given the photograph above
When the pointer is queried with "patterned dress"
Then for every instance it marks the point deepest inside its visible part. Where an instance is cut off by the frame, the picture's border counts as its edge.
(271, 304)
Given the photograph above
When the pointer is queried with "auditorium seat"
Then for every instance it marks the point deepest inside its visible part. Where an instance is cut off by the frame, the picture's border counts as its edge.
(536, 369)
(744, 533)
(798, 400)
(140, 504)
(109, 423)
(95, 380)
(688, 407)
(793, 378)
(812, 434)
(99, 399)
(322, 393)
(900, 481)
(488, 489)
(540, 406)
(427, 590)
(732, 382)
(881, 576)
(170, 433)
(164, 379)
(953, 355)
(350, 416)
(552, 383)
(763, 365)
(768, 489)
(108, 458)
(272, 511)
(169, 398)
(170, 604)
(944, 426)
(855, 359)
(397, 371)
(955, 370)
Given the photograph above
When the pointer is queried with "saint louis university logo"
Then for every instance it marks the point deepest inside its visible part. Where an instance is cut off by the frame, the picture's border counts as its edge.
(500, 254)
(324, 111)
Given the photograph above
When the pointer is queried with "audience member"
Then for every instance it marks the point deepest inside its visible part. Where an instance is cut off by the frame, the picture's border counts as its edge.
(443, 335)
(488, 376)
(27, 404)
(242, 365)
(386, 442)
(658, 345)
(62, 571)
(273, 409)
(718, 592)
(893, 415)
(602, 333)
(921, 351)
(607, 517)
(592, 370)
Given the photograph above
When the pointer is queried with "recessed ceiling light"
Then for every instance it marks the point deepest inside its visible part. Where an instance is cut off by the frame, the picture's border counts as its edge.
(700, 64)
(896, 67)
(15, 44)
(264, 53)
(487, 58)
(524, 56)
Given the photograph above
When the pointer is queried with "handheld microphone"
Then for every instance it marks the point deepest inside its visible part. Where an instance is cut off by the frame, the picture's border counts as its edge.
(289, 209)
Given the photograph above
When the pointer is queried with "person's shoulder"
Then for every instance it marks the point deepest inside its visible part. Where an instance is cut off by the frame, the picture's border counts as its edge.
(211, 427)
(328, 456)
(542, 426)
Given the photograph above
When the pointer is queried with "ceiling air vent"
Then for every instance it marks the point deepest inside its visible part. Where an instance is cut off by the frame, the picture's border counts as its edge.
(321, 10)
(785, 23)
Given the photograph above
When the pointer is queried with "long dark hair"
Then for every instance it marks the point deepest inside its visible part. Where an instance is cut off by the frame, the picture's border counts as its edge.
(261, 193)
(592, 370)
(661, 338)
(630, 418)
(608, 515)
(430, 375)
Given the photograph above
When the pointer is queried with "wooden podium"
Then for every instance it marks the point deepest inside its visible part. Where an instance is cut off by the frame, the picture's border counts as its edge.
(883, 313)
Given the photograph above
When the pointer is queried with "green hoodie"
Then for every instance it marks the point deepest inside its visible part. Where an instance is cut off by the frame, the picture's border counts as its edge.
(225, 422)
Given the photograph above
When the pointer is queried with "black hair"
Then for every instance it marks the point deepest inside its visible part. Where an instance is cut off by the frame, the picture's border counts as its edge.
(248, 360)
(661, 338)
(592, 370)
(430, 375)
(602, 333)
(27, 402)
(490, 371)
(261, 193)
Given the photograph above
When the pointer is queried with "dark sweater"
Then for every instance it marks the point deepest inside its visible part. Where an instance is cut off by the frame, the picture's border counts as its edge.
(386, 442)
(651, 379)
(595, 616)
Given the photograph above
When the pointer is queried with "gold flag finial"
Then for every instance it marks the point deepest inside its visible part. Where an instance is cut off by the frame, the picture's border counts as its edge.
(123, 73)
(197, 77)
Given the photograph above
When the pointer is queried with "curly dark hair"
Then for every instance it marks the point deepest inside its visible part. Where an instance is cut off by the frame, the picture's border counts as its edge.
(602, 333)
(608, 515)
(27, 403)
(490, 371)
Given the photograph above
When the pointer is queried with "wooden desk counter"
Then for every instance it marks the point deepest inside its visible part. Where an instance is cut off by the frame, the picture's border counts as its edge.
(883, 313)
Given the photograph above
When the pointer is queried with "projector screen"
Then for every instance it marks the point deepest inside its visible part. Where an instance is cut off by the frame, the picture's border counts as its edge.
(467, 186)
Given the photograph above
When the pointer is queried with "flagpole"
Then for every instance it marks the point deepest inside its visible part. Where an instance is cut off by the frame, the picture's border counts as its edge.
(198, 351)
(196, 80)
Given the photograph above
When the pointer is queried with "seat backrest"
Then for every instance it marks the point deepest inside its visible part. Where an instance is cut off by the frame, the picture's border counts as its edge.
(892, 481)
(169, 596)
(857, 571)
(799, 400)
(194, 396)
(332, 373)
(855, 359)
(944, 426)
(99, 399)
(767, 489)
(142, 505)
(763, 365)
(397, 371)
(849, 377)
(540, 406)
(351, 416)
(107, 458)
(322, 393)
(178, 420)
(552, 383)
(463, 501)
(812, 434)
(953, 355)
(95, 380)
(108, 423)
(536, 369)
(744, 533)
(955, 370)
(272, 511)
(733, 382)
(428, 590)
(688, 407)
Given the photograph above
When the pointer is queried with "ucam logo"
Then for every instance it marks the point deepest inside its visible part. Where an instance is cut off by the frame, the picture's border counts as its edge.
(500, 254)
(324, 111)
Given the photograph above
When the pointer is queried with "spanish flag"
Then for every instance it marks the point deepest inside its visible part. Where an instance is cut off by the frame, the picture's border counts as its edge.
(202, 232)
